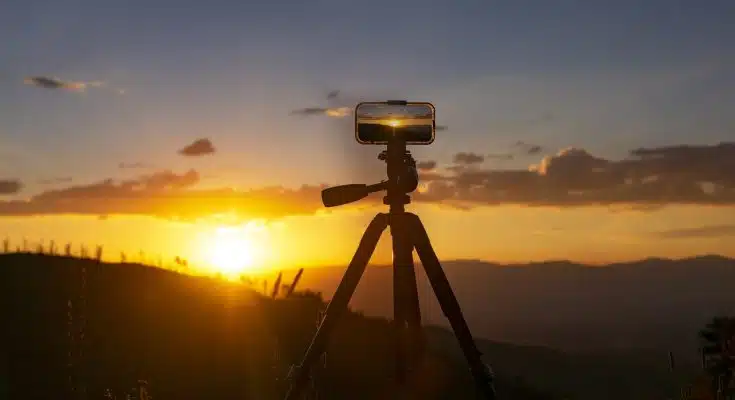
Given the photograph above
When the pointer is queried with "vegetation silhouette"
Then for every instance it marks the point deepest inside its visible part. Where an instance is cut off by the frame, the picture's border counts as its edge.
(78, 325)
(718, 355)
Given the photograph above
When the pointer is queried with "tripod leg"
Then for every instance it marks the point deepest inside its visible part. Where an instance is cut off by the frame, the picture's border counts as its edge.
(415, 335)
(450, 306)
(407, 314)
(338, 304)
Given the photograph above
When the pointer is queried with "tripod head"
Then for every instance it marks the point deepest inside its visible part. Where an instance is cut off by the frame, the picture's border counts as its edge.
(394, 123)
(403, 178)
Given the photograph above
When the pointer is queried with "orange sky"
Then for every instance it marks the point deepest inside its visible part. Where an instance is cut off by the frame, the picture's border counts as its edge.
(503, 234)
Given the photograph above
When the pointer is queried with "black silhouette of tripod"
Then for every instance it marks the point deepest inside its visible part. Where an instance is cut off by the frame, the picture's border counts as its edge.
(408, 233)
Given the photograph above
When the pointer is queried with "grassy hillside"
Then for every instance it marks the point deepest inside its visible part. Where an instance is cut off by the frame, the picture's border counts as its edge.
(188, 337)
(98, 327)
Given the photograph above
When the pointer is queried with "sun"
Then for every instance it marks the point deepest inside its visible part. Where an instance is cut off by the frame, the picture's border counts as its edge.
(394, 123)
(231, 252)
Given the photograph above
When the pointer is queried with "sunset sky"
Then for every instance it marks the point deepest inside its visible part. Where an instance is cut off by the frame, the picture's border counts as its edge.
(563, 125)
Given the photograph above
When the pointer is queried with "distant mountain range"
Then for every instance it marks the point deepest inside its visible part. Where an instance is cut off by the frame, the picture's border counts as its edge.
(653, 303)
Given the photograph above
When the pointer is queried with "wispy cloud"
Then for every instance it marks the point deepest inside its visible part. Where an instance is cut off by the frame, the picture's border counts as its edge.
(468, 158)
(426, 165)
(337, 112)
(135, 165)
(499, 156)
(48, 82)
(333, 97)
(528, 148)
(53, 181)
(710, 231)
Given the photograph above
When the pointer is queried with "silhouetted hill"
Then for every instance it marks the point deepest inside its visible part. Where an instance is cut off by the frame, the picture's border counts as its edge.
(196, 337)
(654, 304)
(632, 375)
(71, 323)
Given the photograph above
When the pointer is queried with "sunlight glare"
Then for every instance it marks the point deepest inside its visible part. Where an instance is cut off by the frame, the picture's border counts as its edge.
(232, 251)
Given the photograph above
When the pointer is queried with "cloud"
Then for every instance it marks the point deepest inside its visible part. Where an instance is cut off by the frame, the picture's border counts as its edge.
(711, 231)
(10, 186)
(168, 195)
(165, 180)
(135, 165)
(47, 82)
(337, 112)
(426, 165)
(712, 164)
(199, 147)
(468, 158)
(528, 148)
(500, 156)
(574, 177)
(52, 181)
(648, 179)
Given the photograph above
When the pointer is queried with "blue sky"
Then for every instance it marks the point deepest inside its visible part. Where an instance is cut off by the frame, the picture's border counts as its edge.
(606, 77)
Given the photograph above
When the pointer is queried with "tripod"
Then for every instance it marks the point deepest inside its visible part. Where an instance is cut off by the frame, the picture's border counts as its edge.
(408, 233)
